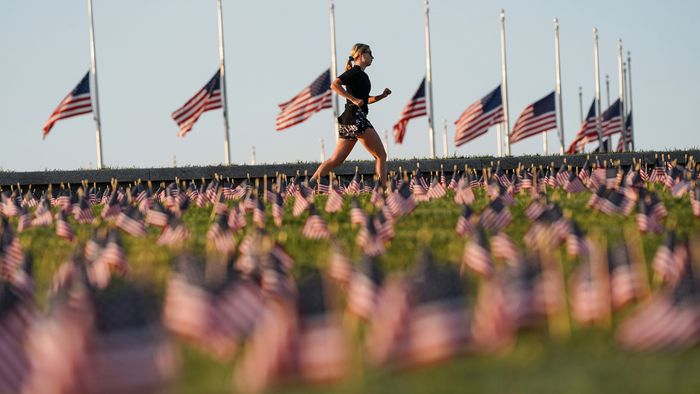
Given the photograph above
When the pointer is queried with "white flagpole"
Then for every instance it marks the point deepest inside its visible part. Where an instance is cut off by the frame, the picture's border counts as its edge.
(386, 143)
(597, 89)
(621, 92)
(560, 107)
(222, 82)
(444, 138)
(580, 104)
(607, 89)
(93, 88)
(252, 156)
(629, 85)
(334, 68)
(625, 143)
(504, 87)
(429, 82)
(323, 150)
(498, 140)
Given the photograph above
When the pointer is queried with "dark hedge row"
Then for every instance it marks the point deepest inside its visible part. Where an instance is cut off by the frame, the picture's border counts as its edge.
(40, 179)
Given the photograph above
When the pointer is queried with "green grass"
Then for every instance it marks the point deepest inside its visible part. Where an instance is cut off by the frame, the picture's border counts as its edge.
(587, 362)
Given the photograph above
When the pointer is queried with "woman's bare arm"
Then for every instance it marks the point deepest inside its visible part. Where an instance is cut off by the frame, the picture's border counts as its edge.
(337, 86)
(374, 99)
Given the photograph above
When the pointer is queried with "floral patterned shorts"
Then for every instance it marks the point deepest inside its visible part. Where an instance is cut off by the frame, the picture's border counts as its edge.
(351, 131)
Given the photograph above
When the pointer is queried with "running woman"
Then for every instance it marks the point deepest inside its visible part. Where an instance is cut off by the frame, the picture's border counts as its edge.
(353, 122)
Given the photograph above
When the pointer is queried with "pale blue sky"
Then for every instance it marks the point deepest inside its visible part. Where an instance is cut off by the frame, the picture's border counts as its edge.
(153, 55)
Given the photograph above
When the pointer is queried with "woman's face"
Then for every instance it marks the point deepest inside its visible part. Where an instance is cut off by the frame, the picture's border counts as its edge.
(365, 59)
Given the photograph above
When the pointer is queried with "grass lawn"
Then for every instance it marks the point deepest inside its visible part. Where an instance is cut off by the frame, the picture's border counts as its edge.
(588, 361)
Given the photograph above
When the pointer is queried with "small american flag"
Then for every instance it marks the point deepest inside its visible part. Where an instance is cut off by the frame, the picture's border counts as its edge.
(476, 254)
(131, 221)
(157, 215)
(368, 240)
(538, 117)
(503, 247)
(63, 228)
(82, 212)
(301, 202)
(625, 284)
(312, 99)
(478, 117)
(207, 99)
(357, 214)
(668, 264)
(670, 320)
(414, 109)
(259, 213)
(77, 102)
(220, 235)
(16, 317)
(465, 226)
(174, 233)
(364, 288)
(334, 202)
(315, 227)
(340, 266)
(588, 300)
(496, 216)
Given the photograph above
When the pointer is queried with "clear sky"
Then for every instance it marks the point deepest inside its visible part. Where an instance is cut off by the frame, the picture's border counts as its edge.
(153, 55)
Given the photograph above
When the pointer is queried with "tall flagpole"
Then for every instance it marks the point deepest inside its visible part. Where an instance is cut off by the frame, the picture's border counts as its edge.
(607, 89)
(560, 107)
(93, 71)
(625, 142)
(444, 138)
(323, 150)
(334, 67)
(222, 71)
(580, 104)
(429, 82)
(498, 140)
(621, 92)
(598, 124)
(504, 87)
(629, 86)
(386, 143)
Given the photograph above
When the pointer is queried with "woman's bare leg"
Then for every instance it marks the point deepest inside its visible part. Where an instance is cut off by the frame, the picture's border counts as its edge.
(342, 150)
(370, 139)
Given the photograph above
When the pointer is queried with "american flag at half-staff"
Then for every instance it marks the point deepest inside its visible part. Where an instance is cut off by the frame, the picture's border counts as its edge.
(312, 99)
(478, 117)
(538, 117)
(611, 119)
(414, 109)
(207, 99)
(77, 102)
(587, 133)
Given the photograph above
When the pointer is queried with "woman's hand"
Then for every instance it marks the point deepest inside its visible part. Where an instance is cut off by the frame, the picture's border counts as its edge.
(358, 102)
(386, 92)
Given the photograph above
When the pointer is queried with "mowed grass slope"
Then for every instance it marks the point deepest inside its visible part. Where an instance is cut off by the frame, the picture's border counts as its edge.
(588, 361)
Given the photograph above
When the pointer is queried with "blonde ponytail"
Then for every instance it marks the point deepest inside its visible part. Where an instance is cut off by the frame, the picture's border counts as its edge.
(356, 51)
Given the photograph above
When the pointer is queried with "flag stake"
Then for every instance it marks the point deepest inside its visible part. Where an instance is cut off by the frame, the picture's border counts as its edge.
(93, 71)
